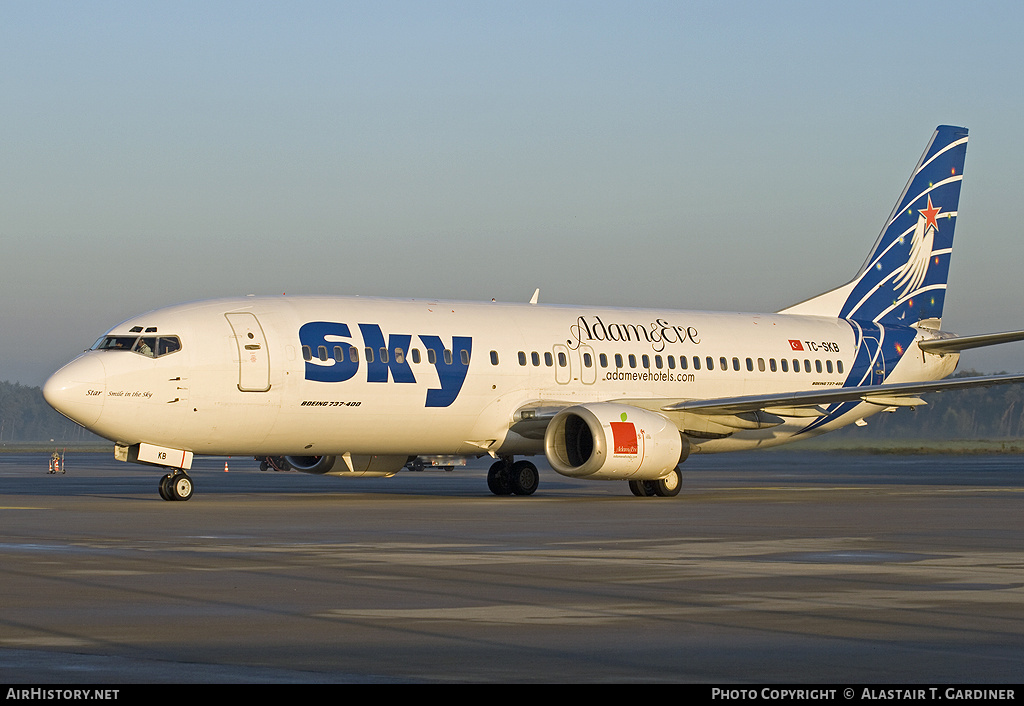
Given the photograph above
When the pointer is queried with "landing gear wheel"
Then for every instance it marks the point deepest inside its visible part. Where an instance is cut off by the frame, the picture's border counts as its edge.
(668, 487)
(176, 486)
(524, 478)
(641, 488)
(165, 487)
(181, 487)
(498, 478)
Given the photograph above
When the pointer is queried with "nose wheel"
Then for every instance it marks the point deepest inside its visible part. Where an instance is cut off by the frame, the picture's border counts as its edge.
(176, 486)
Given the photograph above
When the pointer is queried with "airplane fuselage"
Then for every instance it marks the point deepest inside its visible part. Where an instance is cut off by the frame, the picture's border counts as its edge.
(280, 376)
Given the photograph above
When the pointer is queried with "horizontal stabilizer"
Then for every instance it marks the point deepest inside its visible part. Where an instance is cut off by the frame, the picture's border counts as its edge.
(962, 343)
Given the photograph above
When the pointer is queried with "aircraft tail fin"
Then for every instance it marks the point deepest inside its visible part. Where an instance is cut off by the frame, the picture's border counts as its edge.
(903, 280)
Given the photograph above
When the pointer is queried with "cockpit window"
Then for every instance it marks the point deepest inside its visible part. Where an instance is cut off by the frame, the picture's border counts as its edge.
(149, 346)
(123, 343)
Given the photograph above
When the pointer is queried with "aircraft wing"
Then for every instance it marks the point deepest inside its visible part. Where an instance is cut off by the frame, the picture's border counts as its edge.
(888, 395)
(726, 414)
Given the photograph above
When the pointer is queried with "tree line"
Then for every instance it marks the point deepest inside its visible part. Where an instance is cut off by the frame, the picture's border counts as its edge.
(995, 412)
(26, 418)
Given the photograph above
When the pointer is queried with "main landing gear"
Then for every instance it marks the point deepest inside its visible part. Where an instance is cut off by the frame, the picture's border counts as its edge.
(176, 486)
(667, 487)
(508, 478)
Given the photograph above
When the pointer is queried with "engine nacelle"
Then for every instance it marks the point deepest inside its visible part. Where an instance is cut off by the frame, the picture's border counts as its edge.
(610, 441)
(362, 466)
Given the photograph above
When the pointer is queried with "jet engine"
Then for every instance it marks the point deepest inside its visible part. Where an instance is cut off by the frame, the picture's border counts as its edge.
(609, 441)
(354, 467)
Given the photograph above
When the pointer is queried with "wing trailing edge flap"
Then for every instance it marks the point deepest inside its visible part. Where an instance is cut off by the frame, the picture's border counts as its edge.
(804, 403)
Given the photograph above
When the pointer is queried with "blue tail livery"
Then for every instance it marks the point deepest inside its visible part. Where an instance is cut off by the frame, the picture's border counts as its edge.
(903, 280)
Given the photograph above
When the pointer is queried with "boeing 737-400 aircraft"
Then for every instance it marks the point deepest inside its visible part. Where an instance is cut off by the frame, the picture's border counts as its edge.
(351, 386)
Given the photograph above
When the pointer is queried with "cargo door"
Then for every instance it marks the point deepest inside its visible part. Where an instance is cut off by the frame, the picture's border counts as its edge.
(253, 355)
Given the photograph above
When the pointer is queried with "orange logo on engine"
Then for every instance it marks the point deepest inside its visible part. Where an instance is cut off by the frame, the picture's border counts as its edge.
(624, 438)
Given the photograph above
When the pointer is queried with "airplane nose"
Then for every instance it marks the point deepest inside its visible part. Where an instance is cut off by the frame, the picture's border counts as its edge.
(77, 390)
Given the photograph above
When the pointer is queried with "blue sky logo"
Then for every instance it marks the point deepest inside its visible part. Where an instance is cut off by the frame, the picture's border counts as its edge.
(332, 355)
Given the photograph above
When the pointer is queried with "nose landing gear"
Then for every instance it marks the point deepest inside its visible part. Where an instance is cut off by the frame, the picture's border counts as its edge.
(176, 486)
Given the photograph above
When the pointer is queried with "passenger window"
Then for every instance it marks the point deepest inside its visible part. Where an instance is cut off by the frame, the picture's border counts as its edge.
(307, 354)
(807, 366)
(494, 357)
(796, 365)
(760, 364)
(548, 360)
(464, 356)
(724, 363)
(432, 356)
(672, 362)
(711, 363)
(522, 357)
(535, 358)
(353, 354)
(645, 360)
(562, 362)
(604, 360)
(415, 355)
(618, 360)
(696, 362)
(632, 360)
(369, 355)
(383, 355)
(750, 365)
(657, 362)
(447, 357)
(399, 356)
(735, 363)
(785, 365)
(588, 360)
(771, 364)
(828, 366)
(339, 354)
(817, 365)
(839, 367)
(683, 362)
(322, 353)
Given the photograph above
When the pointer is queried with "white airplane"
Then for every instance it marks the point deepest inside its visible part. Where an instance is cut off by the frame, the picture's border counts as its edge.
(351, 386)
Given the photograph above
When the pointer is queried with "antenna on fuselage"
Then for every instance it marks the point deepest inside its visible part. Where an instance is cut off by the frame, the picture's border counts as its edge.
(536, 296)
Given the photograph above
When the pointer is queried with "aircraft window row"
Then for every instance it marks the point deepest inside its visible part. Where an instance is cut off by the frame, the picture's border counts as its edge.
(671, 362)
(149, 346)
(341, 353)
(549, 359)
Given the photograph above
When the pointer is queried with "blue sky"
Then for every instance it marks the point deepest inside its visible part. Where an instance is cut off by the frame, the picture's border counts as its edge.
(726, 155)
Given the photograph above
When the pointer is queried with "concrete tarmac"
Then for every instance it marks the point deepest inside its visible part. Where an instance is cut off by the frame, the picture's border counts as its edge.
(771, 567)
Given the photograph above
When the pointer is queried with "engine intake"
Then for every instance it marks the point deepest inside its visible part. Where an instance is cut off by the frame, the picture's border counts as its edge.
(610, 441)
